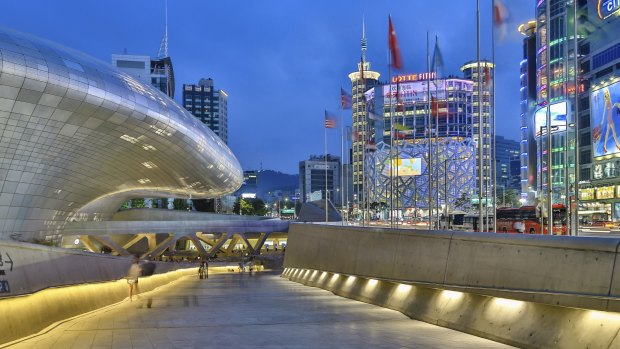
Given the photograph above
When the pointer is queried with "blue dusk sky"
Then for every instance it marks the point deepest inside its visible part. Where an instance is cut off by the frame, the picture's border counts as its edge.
(282, 62)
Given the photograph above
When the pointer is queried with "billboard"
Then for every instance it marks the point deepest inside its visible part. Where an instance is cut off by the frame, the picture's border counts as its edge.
(405, 167)
(604, 115)
(558, 118)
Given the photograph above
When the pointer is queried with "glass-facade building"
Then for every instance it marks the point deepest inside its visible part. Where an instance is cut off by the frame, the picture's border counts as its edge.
(528, 91)
(599, 109)
(485, 103)
(208, 104)
(554, 115)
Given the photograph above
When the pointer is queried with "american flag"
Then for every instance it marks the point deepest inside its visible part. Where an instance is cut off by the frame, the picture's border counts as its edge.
(330, 121)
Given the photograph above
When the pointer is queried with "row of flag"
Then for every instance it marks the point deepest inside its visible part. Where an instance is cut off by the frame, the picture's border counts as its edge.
(500, 18)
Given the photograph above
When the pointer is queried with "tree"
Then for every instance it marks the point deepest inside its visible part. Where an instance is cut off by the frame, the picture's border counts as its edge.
(259, 207)
(508, 198)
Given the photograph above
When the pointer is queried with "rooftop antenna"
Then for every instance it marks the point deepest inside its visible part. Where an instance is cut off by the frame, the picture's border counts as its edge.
(163, 47)
(364, 44)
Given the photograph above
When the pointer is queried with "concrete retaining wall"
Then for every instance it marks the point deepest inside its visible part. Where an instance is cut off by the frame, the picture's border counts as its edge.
(549, 273)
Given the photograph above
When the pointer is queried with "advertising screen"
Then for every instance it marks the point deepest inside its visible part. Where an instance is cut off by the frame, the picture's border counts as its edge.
(604, 115)
(405, 167)
(558, 118)
(412, 92)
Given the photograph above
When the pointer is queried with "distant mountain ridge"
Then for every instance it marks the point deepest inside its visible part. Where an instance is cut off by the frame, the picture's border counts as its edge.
(269, 180)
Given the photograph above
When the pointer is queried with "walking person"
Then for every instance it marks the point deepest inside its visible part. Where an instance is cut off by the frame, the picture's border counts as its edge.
(132, 278)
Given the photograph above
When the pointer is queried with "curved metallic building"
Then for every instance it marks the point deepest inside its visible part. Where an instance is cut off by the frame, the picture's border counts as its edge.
(78, 138)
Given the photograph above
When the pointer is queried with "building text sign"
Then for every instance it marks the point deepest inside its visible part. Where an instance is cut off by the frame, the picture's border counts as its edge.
(607, 8)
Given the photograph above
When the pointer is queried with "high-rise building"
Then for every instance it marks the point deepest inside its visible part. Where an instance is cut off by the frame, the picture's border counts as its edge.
(470, 72)
(157, 72)
(599, 108)
(529, 176)
(438, 123)
(208, 104)
(313, 181)
(505, 151)
(554, 115)
(360, 125)
(249, 188)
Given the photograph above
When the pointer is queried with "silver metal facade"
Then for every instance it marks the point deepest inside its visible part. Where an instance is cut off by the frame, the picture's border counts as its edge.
(79, 137)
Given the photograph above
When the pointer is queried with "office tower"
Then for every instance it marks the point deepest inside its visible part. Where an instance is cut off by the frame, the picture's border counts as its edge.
(554, 115)
(599, 109)
(312, 178)
(360, 125)
(208, 104)
(529, 176)
(505, 152)
(157, 72)
(470, 72)
(438, 123)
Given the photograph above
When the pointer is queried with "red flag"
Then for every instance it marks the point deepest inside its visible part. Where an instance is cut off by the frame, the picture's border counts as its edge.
(330, 121)
(487, 74)
(397, 61)
(501, 16)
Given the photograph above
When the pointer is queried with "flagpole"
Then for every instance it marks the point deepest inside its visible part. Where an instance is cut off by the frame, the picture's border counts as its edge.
(429, 137)
(480, 125)
(325, 159)
(389, 94)
(494, 161)
(549, 144)
(575, 192)
(341, 161)
(437, 133)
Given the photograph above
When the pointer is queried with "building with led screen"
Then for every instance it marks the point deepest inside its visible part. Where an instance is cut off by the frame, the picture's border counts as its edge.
(599, 110)
(554, 115)
(528, 147)
(80, 137)
(398, 163)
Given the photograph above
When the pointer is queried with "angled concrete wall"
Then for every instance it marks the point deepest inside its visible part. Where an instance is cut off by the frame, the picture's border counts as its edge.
(549, 274)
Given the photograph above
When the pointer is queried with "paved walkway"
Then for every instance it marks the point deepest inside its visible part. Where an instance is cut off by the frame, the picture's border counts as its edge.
(243, 311)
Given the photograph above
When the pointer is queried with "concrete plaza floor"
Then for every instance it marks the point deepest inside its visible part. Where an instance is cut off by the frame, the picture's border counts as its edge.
(247, 311)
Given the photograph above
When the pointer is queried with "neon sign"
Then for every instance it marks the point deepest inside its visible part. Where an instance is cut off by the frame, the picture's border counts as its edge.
(418, 77)
(607, 8)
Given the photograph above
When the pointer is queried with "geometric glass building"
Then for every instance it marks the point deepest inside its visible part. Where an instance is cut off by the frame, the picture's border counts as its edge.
(438, 123)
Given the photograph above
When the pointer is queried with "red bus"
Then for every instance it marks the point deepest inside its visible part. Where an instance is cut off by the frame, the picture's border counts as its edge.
(525, 220)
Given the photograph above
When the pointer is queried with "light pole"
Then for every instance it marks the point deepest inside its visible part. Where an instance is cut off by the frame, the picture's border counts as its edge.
(445, 184)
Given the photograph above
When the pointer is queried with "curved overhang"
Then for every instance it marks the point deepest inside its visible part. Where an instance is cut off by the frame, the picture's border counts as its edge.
(79, 137)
